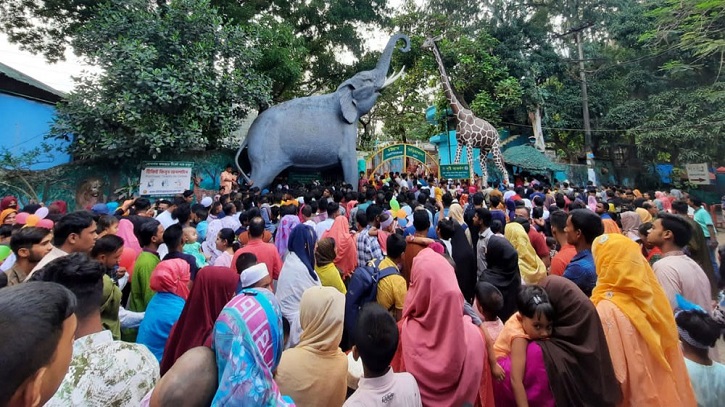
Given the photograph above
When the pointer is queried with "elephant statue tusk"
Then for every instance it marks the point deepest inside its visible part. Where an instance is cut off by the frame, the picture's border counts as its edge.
(395, 77)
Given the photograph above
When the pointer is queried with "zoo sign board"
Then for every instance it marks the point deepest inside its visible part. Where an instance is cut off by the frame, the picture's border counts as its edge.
(165, 178)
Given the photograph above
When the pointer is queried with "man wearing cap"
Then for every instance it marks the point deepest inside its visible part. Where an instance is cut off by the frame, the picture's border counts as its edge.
(256, 276)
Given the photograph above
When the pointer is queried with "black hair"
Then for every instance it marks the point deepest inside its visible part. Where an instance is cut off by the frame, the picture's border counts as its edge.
(26, 237)
(227, 235)
(588, 222)
(182, 213)
(447, 228)
(696, 201)
(245, 261)
(332, 207)
(31, 317)
(447, 199)
(484, 215)
(680, 207)
(285, 328)
(489, 297)
(699, 326)
(477, 199)
(141, 205)
(495, 200)
(496, 226)
(421, 222)
(200, 211)
(558, 220)
(81, 275)
(645, 228)
(71, 223)
(396, 245)
(173, 236)
(6, 230)
(373, 211)
(537, 212)
(376, 337)
(104, 222)
(146, 231)
(361, 218)
(188, 193)
(179, 200)
(256, 227)
(533, 301)
(108, 244)
(680, 228)
(306, 211)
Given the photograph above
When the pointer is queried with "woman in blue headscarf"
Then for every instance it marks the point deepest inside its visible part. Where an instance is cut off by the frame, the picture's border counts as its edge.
(297, 275)
(247, 341)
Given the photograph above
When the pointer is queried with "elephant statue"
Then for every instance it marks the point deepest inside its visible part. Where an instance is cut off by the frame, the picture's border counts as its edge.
(315, 132)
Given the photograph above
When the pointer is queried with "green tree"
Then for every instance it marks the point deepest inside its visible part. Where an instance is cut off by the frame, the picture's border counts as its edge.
(173, 78)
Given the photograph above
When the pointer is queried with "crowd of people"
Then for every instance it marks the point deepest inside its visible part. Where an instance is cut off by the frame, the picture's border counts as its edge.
(408, 291)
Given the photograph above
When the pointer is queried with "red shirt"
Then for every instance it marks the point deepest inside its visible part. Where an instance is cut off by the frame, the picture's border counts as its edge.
(538, 241)
(266, 253)
(562, 259)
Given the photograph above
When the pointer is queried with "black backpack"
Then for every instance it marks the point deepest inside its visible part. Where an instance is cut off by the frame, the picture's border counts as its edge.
(362, 289)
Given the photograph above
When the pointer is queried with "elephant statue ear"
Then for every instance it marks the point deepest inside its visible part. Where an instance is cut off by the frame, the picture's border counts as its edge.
(347, 105)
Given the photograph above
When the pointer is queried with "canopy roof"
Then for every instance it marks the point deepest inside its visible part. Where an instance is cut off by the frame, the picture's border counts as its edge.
(529, 158)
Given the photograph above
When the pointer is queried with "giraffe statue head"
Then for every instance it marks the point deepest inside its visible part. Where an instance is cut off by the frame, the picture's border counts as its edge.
(429, 42)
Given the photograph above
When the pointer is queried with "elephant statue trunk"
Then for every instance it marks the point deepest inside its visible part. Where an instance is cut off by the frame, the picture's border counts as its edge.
(320, 131)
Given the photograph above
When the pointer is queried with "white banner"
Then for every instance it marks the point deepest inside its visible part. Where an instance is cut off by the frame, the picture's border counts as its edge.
(165, 178)
(698, 173)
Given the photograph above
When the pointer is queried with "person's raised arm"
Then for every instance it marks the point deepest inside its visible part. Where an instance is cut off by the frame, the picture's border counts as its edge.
(518, 370)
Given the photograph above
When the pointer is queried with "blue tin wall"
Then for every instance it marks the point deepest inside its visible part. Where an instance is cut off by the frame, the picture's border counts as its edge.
(23, 126)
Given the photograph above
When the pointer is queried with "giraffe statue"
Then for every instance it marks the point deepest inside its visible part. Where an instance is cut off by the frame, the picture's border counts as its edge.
(471, 131)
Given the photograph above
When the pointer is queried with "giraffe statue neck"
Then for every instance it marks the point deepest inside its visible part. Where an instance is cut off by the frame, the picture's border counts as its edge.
(455, 106)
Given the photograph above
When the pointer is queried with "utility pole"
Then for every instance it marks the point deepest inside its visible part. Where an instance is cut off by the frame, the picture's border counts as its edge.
(588, 151)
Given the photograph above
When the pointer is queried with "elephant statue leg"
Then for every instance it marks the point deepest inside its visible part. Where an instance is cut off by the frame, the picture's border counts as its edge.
(349, 168)
(264, 174)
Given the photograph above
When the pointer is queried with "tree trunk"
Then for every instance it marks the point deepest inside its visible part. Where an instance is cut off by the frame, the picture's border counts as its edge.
(535, 119)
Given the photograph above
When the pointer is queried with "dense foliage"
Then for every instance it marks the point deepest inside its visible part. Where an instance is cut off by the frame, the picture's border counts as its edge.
(654, 68)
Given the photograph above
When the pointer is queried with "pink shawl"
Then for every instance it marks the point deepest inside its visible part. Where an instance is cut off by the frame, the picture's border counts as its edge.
(439, 346)
(125, 232)
(284, 231)
(345, 243)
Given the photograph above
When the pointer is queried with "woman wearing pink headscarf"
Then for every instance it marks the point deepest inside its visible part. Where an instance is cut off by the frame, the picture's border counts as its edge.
(438, 345)
(131, 247)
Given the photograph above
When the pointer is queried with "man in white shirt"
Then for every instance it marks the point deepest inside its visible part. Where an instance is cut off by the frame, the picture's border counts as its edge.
(333, 211)
(102, 372)
(166, 217)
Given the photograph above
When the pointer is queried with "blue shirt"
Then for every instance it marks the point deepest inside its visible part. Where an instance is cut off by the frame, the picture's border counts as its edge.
(582, 272)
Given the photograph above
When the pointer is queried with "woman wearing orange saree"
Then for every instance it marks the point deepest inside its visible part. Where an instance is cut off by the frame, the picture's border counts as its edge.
(639, 326)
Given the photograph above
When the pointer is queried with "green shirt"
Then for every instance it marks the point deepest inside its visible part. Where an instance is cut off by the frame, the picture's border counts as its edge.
(704, 220)
(141, 292)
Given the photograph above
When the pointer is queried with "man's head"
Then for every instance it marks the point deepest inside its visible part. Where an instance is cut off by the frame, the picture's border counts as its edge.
(652, 209)
(446, 228)
(602, 208)
(163, 205)
(188, 196)
(396, 246)
(174, 237)
(37, 327)
(333, 210)
(670, 229)
(582, 227)
(376, 338)
(108, 250)
(82, 276)
(695, 202)
(558, 224)
(680, 207)
(372, 213)
(75, 232)
(31, 244)
(477, 199)
(482, 218)
(421, 222)
(522, 212)
(495, 201)
(150, 234)
(141, 206)
(256, 227)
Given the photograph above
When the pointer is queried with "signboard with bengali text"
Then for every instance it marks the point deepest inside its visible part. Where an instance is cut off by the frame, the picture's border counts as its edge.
(165, 178)
(455, 171)
(698, 173)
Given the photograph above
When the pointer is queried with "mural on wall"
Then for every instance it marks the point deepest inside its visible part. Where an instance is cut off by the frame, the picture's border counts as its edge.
(82, 184)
